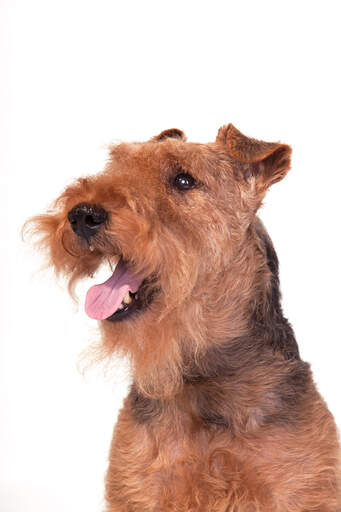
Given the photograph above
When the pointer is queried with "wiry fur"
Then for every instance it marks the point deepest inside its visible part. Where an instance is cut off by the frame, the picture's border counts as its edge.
(223, 415)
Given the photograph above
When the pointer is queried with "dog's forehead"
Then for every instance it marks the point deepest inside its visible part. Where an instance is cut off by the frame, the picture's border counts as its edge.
(169, 151)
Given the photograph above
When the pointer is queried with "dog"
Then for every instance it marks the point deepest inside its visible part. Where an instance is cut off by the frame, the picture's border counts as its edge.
(222, 415)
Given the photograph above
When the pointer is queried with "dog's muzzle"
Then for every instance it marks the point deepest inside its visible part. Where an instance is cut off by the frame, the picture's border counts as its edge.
(86, 220)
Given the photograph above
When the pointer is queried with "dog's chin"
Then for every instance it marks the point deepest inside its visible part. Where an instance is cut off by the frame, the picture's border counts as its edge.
(140, 302)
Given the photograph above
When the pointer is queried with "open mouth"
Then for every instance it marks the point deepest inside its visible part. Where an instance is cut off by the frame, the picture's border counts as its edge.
(121, 296)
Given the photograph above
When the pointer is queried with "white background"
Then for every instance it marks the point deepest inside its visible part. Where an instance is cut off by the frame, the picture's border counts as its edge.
(83, 74)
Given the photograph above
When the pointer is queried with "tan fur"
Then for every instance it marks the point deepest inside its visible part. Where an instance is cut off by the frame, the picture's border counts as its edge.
(223, 415)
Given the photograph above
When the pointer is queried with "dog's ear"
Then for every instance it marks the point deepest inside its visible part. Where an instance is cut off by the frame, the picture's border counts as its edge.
(267, 162)
(171, 133)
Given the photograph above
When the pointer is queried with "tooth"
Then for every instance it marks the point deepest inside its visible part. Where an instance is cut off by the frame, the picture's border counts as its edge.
(91, 248)
(120, 306)
(127, 299)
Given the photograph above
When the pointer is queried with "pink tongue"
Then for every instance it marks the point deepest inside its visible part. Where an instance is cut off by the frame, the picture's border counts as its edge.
(103, 300)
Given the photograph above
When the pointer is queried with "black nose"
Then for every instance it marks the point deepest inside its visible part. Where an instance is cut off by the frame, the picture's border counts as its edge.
(86, 219)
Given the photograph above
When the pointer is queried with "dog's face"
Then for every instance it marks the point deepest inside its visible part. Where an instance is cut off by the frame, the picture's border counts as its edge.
(172, 216)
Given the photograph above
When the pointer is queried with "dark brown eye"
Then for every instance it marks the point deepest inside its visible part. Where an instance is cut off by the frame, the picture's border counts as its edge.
(184, 181)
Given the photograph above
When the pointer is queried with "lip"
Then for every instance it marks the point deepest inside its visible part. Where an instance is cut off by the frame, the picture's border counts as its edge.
(127, 311)
(141, 301)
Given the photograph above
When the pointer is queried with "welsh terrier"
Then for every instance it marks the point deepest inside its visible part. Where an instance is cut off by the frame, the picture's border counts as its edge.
(223, 415)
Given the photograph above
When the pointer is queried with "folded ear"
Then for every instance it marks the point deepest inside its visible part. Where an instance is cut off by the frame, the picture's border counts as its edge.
(268, 162)
(171, 133)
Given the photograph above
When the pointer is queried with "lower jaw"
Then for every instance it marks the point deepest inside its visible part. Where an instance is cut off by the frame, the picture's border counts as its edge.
(124, 313)
(138, 306)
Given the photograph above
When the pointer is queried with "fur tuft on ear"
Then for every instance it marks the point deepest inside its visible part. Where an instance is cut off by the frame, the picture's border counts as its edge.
(171, 133)
(267, 161)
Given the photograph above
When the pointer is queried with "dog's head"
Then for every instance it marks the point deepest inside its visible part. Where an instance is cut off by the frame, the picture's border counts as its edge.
(174, 217)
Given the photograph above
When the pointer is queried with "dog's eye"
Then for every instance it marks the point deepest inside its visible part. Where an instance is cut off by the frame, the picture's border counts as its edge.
(184, 181)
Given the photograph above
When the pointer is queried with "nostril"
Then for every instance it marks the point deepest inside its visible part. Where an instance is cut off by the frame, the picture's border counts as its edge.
(92, 221)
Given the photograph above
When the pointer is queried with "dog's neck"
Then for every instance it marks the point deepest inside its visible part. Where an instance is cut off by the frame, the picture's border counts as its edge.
(255, 310)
